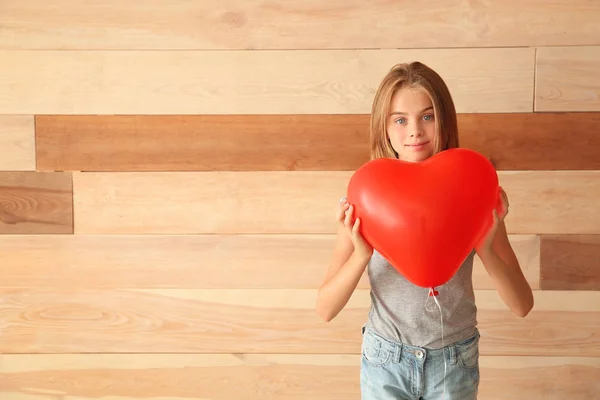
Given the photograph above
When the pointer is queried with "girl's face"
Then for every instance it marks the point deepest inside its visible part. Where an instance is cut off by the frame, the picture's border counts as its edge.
(411, 125)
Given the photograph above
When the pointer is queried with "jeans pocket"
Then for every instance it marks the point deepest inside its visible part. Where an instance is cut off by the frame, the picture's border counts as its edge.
(373, 353)
(467, 353)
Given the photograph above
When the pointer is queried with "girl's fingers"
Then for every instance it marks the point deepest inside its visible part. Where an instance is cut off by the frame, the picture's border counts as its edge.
(356, 227)
(342, 211)
(348, 217)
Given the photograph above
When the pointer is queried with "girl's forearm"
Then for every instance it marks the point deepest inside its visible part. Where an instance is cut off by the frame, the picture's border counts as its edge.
(333, 296)
(513, 288)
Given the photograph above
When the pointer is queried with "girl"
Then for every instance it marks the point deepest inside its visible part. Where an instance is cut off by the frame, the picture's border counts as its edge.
(404, 353)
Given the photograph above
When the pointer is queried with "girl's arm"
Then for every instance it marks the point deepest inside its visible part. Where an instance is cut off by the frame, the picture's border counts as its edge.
(349, 261)
(502, 265)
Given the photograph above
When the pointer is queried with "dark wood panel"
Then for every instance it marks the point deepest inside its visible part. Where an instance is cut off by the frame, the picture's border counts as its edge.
(263, 321)
(570, 262)
(36, 202)
(534, 141)
(266, 377)
(525, 141)
(233, 142)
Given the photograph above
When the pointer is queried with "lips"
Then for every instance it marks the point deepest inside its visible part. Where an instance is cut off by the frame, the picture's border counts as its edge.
(417, 144)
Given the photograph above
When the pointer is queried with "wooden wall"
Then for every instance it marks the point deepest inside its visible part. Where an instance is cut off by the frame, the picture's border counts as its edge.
(169, 172)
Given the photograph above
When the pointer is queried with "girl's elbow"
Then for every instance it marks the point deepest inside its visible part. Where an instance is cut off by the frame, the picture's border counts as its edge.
(525, 307)
(323, 310)
(326, 314)
(326, 317)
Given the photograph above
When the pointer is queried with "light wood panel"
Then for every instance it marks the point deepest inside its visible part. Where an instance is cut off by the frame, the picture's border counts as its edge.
(258, 24)
(568, 79)
(570, 262)
(298, 202)
(551, 202)
(17, 143)
(211, 202)
(526, 378)
(194, 261)
(295, 142)
(36, 202)
(266, 376)
(270, 82)
(262, 320)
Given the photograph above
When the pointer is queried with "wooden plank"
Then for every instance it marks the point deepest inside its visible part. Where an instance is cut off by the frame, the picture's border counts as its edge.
(17, 143)
(192, 261)
(265, 376)
(201, 142)
(539, 378)
(568, 79)
(533, 141)
(563, 323)
(298, 202)
(552, 201)
(295, 142)
(257, 24)
(210, 202)
(570, 262)
(36, 202)
(271, 82)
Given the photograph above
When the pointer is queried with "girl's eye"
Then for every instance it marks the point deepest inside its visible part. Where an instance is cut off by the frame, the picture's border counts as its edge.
(428, 117)
(400, 120)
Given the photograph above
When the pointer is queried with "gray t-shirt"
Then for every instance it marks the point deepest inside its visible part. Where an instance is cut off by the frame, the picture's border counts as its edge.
(398, 306)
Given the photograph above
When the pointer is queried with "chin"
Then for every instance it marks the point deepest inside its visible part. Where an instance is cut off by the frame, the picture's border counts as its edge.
(414, 158)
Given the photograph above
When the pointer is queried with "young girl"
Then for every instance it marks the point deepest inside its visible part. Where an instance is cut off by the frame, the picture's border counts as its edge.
(404, 353)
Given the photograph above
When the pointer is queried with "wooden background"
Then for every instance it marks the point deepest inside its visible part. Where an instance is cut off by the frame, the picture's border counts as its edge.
(170, 171)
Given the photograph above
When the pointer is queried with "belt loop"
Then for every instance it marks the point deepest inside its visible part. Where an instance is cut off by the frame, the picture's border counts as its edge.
(399, 348)
(452, 354)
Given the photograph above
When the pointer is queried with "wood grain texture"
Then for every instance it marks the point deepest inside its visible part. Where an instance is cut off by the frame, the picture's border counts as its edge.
(265, 376)
(563, 323)
(298, 202)
(570, 262)
(36, 202)
(201, 142)
(295, 142)
(17, 143)
(309, 24)
(192, 261)
(552, 201)
(534, 141)
(271, 82)
(568, 79)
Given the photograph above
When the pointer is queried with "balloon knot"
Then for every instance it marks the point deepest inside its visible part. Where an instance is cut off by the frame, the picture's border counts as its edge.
(433, 292)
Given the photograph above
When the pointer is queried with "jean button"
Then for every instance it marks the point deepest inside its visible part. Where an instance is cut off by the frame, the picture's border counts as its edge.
(419, 354)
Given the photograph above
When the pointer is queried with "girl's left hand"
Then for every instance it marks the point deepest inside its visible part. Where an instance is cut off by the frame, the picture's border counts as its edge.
(498, 216)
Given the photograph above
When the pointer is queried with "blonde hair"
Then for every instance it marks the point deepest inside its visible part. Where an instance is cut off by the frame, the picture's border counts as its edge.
(420, 76)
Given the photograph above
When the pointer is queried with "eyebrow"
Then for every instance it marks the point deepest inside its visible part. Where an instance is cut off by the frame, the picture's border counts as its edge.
(403, 113)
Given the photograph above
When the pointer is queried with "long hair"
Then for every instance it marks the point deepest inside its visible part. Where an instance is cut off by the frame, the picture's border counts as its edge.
(419, 76)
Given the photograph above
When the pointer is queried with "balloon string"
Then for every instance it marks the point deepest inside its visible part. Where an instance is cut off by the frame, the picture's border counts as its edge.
(433, 293)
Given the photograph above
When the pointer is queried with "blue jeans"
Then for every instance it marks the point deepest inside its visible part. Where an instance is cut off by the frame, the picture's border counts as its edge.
(392, 370)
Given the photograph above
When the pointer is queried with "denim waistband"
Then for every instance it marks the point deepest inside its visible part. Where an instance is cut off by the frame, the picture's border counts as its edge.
(399, 349)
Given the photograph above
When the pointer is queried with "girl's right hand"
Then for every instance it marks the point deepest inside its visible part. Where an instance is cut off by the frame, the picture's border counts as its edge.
(345, 217)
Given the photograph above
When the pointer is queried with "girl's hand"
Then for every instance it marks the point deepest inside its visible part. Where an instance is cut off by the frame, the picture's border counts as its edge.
(345, 216)
(488, 240)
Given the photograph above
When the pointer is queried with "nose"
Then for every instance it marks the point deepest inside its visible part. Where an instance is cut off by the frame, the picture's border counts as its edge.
(416, 130)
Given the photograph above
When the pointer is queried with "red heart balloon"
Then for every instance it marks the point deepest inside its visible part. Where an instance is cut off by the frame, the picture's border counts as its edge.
(426, 217)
